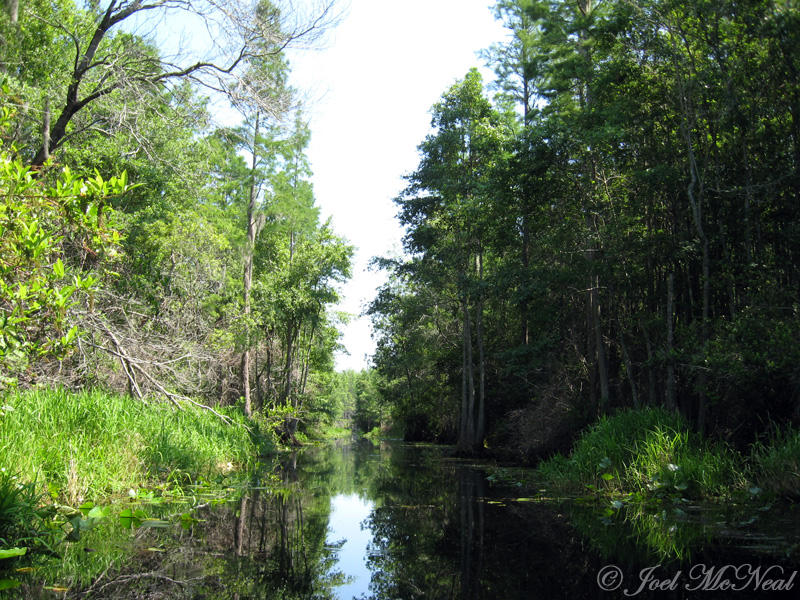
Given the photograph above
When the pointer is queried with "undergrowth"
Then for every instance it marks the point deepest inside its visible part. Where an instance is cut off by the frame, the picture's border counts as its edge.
(648, 451)
(79, 446)
(776, 464)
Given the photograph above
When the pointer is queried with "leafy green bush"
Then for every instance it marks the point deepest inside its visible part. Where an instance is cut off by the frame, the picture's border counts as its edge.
(751, 366)
(49, 238)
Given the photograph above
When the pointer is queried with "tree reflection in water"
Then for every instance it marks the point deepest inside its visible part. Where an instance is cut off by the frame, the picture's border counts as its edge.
(436, 528)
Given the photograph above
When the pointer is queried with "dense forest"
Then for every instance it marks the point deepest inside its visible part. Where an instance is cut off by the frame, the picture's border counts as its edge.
(614, 224)
(145, 247)
(600, 275)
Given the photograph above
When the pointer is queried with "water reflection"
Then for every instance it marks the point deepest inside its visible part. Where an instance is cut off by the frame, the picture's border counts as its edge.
(348, 514)
(395, 522)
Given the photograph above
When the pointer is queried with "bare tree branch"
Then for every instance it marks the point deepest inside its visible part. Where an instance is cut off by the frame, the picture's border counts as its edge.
(251, 36)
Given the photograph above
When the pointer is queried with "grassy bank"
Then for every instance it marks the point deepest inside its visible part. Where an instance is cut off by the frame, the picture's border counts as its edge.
(85, 446)
(652, 452)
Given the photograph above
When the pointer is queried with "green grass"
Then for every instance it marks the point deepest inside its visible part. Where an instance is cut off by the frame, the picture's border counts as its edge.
(93, 444)
(19, 510)
(775, 465)
(647, 451)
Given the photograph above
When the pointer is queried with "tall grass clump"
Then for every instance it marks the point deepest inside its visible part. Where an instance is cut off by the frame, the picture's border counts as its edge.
(775, 465)
(20, 512)
(90, 444)
(648, 450)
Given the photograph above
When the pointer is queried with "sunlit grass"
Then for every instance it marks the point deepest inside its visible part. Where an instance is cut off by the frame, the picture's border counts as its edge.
(93, 444)
(647, 451)
(775, 465)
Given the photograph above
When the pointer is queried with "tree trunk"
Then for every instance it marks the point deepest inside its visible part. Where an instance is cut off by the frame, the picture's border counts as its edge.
(590, 175)
(600, 348)
(306, 367)
(288, 397)
(46, 129)
(626, 359)
(669, 397)
(696, 203)
(526, 234)
(248, 269)
(524, 305)
(287, 367)
(651, 378)
(259, 387)
(480, 424)
(466, 440)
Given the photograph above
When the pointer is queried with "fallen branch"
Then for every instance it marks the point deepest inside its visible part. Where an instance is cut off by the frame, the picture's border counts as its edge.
(130, 365)
(175, 397)
(124, 360)
(137, 576)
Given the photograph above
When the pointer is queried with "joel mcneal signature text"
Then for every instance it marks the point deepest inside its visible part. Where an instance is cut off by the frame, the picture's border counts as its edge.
(700, 578)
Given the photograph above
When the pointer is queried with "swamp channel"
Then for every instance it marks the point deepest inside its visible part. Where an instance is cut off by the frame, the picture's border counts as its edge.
(399, 521)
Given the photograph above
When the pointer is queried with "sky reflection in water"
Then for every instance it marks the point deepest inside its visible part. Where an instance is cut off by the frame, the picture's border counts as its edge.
(348, 512)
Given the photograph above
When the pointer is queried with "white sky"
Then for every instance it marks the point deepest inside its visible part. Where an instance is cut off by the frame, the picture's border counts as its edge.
(372, 88)
(369, 90)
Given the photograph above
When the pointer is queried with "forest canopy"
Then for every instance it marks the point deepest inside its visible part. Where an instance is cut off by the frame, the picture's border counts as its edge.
(145, 247)
(616, 227)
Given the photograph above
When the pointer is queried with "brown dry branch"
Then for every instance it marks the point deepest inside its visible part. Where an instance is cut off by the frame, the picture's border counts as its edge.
(167, 353)
(132, 365)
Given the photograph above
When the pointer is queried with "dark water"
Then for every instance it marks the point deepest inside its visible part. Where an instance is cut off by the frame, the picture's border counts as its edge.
(407, 522)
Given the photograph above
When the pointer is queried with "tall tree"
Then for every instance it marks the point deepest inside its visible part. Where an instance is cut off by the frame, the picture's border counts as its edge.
(445, 209)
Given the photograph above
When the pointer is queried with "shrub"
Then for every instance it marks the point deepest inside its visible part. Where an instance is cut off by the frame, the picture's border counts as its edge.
(47, 235)
(650, 451)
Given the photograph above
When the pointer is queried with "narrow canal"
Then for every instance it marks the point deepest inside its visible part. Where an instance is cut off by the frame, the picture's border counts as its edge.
(399, 521)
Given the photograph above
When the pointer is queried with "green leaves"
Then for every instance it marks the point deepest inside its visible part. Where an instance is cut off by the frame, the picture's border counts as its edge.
(58, 269)
(130, 519)
(38, 280)
(12, 552)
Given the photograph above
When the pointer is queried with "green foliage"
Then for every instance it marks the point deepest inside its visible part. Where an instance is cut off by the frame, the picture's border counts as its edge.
(647, 452)
(49, 235)
(452, 224)
(753, 359)
(92, 444)
(619, 230)
(373, 435)
(176, 297)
